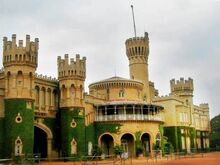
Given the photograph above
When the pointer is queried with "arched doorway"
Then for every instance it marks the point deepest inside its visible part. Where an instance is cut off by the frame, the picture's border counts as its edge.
(40, 142)
(145, 139)
(107, 144)
(127, 143)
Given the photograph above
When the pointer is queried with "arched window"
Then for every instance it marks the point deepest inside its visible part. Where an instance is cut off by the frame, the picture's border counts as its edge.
(81, 92)
(43, 96)
(20, 57)
(37, 94)
(49, 96)
(16, 57)
(121, 93)
(72, 90)
(55, 98)
(64, 92)
(18, 146)
(19, 78)
(73, 147)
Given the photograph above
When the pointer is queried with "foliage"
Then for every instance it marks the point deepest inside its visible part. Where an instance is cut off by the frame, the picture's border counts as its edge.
(1, 137)
(25, 129)
(68, 132)
(54, 126)
(106, 127)
(118, 149)
(174, 136)
(157, 145)
(139, 149)
(168, 148)
(97, 151)
(215, 132)
(139, 146)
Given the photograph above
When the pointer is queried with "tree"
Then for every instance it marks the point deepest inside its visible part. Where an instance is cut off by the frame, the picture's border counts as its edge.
(215, 132)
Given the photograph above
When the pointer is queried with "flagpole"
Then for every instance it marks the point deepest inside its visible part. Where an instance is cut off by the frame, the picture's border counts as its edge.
(133, 21)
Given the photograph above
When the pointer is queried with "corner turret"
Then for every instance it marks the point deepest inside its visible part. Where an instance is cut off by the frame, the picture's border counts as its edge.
(14, 54)
(182, 87)
(75, 69)
(71, 76)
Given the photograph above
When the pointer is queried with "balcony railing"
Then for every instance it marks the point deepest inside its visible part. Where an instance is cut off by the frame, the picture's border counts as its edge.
(125, 117)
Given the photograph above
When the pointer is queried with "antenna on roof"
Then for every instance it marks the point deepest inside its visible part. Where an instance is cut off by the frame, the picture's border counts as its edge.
(115, 72)
(133, 20)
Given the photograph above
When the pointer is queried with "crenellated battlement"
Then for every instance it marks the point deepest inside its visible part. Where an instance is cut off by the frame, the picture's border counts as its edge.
(17, 54)
(45, 77)
(73, 68)
(137, 47)
(182, 86)
(204, 106)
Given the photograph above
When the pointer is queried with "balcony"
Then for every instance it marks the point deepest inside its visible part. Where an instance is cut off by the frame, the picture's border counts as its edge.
(126, 111)
(128, 117)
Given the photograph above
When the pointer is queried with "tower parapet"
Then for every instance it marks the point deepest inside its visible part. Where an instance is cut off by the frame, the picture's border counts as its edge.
(75, 69)
(182, 87)
(14, 54)
(137, 47)
(204, 106)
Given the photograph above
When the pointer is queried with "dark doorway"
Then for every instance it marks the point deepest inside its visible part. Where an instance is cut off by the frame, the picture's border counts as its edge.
(127, 143)
(145, 138)
(107, 144)
(40, 142)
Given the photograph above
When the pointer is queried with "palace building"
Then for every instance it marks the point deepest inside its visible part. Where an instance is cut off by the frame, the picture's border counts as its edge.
(56, 117)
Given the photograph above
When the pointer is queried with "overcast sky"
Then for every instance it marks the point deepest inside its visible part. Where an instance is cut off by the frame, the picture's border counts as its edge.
(184, 38)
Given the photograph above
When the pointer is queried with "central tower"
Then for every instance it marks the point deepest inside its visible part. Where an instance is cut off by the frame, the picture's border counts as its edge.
(137, 50)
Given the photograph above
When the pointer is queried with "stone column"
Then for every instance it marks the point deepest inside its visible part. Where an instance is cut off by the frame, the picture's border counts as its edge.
(105, 112)
(97, 113)
(142, 114)
(124, 112)
(115, 111)
(134, 112)
(46, 100)
(49, 148)
(39, 99)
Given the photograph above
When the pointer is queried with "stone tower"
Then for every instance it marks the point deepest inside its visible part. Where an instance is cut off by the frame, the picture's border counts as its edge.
(20, 63)
(137, 50)
(183, 89)
(71, 77)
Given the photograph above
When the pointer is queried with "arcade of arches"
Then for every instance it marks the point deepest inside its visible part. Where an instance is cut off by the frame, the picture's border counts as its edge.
(127, 142)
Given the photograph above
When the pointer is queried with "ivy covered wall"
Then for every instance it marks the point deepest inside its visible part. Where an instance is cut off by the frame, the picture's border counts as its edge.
(1, 137)
(174, 136)
(171, 134)
(24, 129)
(101, 128)
(90, 136)
(53, 125)
(68, 132)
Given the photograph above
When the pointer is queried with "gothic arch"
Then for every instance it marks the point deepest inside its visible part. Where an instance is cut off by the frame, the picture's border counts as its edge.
(49, 136)
(45, 129)
(106, 133)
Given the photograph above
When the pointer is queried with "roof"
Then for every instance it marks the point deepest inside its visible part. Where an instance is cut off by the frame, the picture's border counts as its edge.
(116, 79)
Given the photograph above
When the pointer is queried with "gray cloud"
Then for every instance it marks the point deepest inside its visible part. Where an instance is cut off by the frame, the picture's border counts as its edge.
(184, 37)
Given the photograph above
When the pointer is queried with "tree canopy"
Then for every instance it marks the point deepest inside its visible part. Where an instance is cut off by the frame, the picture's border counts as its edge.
(215, 132)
